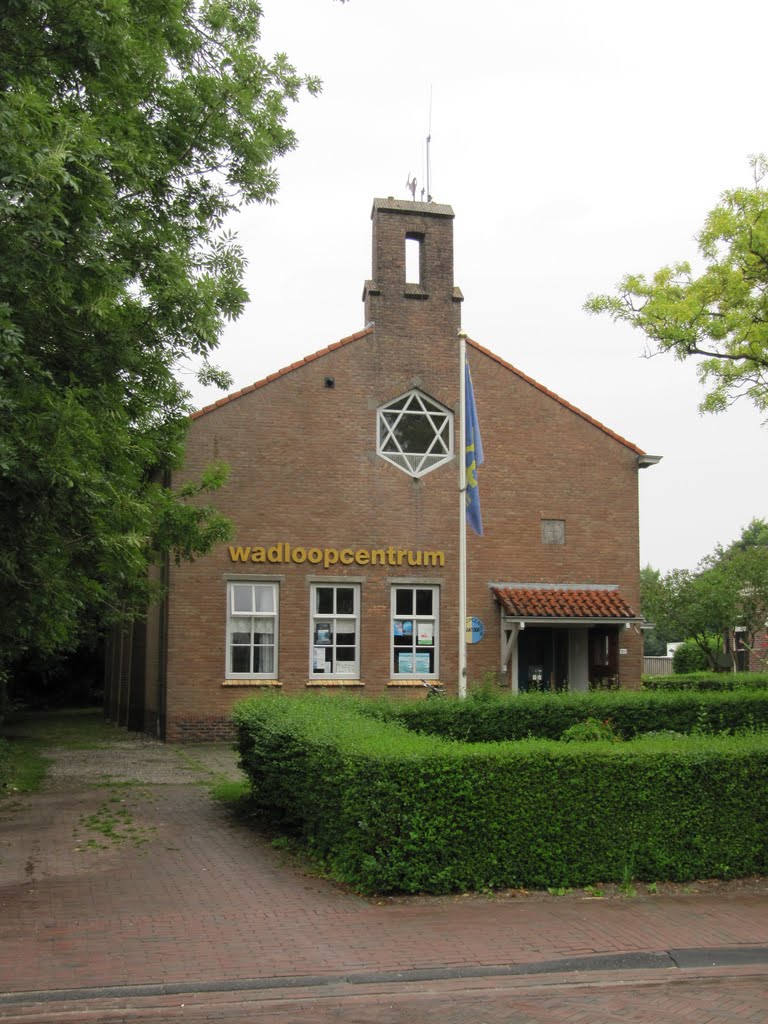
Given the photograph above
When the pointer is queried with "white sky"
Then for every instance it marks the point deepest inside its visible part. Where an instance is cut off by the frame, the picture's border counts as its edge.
(576, 141)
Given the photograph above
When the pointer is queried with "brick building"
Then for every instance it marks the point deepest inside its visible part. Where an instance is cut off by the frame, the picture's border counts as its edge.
(343, 494)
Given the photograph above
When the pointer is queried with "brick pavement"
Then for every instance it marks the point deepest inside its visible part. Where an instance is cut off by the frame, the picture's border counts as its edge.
(196, 899)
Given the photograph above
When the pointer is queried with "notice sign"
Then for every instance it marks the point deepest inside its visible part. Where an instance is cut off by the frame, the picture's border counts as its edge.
(475, 629)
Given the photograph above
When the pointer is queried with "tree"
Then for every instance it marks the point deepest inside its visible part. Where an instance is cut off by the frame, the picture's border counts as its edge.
(721, 315)
(745, 562)
(727, 595)
(654, 640)
(130, 129)
(696, 606)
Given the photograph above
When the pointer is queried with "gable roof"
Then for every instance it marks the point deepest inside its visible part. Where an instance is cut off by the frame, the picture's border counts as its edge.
(369, 330)
(548, 603)
(281, 373)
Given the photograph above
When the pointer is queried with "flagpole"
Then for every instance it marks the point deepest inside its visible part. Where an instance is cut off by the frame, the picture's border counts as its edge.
(462, 689)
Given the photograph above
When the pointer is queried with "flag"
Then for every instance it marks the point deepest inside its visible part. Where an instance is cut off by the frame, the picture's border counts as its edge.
(474, 454)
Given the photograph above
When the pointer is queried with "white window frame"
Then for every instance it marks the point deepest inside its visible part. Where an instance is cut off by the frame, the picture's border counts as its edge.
(317, 619)
(416, 620)
(415, 464)
(234, 616)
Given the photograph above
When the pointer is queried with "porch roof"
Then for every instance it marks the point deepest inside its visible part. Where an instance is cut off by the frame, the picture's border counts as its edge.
(568, 604)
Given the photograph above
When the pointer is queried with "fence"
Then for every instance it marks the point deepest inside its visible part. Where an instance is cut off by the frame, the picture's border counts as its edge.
(657, 666)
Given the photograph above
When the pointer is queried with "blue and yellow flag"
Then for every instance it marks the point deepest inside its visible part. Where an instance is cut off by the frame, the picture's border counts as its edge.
(474, 454)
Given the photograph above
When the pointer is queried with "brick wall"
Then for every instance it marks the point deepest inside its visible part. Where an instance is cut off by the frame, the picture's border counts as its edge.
(304, 470)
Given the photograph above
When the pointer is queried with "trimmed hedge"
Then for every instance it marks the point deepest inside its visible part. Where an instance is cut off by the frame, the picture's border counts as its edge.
(547, 716)
(708, 681)
(385, 809)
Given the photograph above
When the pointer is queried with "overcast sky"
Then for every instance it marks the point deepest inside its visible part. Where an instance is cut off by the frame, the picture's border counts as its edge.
(575, 141)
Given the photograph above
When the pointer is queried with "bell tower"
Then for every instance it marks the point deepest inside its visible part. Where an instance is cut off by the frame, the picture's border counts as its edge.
(411, 293)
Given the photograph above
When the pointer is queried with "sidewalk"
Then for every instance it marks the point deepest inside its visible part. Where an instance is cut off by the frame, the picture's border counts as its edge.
(188, 899)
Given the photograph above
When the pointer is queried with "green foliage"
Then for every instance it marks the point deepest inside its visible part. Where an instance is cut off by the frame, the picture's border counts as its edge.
(590, 731)
(547, 716)
(385, 810)
(708, 681)
(129, 132)
(719, 316)
(689, 657)
(654, 640)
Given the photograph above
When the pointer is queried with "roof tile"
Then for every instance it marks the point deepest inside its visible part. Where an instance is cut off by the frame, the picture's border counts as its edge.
(562, 603)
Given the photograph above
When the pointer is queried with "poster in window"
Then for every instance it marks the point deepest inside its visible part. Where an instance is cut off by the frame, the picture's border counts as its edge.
(422, 659)
(425, 634)
(398, 627)
(323, 633)
(318, 659)
(404, 661)
(345, 668)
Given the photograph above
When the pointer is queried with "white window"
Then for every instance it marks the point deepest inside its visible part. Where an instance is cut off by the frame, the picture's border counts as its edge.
(252, 630)
(335, 631)
(415, 433)
(415, 632)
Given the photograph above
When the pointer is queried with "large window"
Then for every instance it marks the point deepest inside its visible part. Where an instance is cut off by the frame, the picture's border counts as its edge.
(335, 629)
(252, 630)
(415, 632)
(415, 433)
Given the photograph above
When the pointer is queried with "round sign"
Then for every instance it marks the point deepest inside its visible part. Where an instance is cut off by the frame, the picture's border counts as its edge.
(475, 629)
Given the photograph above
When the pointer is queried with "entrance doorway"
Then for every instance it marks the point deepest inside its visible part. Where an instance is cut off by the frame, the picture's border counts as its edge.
(542, 659)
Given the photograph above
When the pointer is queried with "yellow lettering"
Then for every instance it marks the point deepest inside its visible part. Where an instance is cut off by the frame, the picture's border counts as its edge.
(258, 555)
(414, 558)
(391, 556)
(299, 555)
(346, 557)
(362, 557)
(434, 558)
(400, 557)
(239, 554)
(275, 553)
(379, 557)
(315, 556)
(331, 557)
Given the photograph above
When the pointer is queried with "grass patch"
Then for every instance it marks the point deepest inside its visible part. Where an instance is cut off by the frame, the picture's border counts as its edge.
(231, 792)
(29, 733)
(74, 728)
(112, 824)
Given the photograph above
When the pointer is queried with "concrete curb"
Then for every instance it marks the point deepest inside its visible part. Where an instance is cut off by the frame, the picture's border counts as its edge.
(679, 959)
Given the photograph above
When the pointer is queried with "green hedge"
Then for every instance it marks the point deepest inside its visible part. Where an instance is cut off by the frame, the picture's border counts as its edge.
(708, 681)
(547, 716)
(385, 809)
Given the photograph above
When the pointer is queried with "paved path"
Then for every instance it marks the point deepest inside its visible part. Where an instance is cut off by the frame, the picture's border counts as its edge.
(130, 900)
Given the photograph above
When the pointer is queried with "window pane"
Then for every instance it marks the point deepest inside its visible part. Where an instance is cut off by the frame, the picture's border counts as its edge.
(242, 597)
(263, 659)
(403, 601)
(241, 638)
(415, 433)
(323, 633)
(241, 659)
(345, 654)
(324, 600)
(345, 600)
(265, 599)
(424, 602)
(264, 627)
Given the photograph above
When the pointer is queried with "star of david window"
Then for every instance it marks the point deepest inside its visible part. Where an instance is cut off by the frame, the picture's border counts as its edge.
(415, 433)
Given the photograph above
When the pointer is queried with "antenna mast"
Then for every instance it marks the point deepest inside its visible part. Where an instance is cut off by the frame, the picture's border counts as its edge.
(429, 140)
